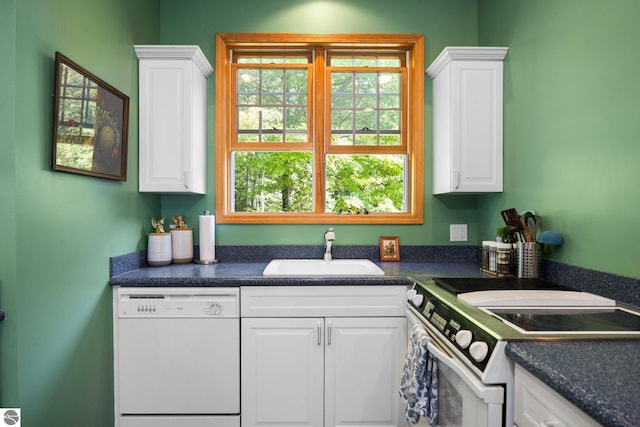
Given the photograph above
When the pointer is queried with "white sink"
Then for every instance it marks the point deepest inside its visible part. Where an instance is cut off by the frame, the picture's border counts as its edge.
(318, 267)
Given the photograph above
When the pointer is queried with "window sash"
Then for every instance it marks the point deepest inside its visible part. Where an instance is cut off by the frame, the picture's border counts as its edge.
(234, 46)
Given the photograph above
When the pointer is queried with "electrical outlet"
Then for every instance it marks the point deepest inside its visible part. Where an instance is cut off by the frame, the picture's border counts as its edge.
(458, 232)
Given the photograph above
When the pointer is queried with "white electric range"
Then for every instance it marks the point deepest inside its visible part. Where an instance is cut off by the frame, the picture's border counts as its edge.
(471, 320)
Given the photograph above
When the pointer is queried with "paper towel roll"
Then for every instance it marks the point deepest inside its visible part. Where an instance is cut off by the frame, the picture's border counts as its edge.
(207, 237)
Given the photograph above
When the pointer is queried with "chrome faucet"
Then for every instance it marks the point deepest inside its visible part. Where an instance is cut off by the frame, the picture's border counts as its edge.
(329, 237)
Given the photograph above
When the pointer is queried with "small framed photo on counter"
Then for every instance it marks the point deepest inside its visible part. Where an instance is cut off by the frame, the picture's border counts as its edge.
(389, 248)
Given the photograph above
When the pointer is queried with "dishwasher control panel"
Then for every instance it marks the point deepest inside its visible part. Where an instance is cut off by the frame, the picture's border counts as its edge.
(163, 302)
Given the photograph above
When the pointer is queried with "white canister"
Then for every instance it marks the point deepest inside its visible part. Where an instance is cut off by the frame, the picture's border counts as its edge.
(159, 249)
(182, 245)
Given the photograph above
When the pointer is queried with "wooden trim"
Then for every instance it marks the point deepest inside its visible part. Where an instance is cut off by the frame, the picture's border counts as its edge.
(319, 165)
(413, 122)
(222, 128)
(291, 40)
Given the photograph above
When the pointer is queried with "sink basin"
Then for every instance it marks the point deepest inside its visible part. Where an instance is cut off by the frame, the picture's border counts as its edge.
(318, 267)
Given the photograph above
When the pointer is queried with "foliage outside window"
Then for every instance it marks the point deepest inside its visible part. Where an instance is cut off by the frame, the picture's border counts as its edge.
(319, 129)
(76, 121)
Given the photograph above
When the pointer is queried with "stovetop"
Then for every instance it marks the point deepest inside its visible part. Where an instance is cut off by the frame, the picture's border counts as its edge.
(458, 285)
(536, 319)
(453, 320)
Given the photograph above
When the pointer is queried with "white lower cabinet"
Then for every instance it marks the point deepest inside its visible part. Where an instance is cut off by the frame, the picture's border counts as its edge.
(321, 371)
(282, 373)
(537, 405)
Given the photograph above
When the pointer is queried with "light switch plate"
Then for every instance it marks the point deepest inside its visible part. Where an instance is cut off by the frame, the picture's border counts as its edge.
(458, 232)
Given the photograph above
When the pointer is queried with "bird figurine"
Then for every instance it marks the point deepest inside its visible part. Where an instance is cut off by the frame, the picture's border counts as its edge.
(158, 225)
(179, 221)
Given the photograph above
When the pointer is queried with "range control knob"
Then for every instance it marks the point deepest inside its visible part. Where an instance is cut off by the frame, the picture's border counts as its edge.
(463, 338)
(411, 293)
(479, 350)
(417, 300)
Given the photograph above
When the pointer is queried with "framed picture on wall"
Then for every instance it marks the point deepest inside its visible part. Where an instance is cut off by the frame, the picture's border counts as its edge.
(389, 248)
(90, 123)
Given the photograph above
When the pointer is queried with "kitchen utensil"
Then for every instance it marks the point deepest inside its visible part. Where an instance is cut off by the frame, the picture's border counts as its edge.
(531, 223)
(513, 222)
(526, 231)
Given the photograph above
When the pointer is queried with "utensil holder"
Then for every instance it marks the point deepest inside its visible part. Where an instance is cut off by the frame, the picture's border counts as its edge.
(529, 259)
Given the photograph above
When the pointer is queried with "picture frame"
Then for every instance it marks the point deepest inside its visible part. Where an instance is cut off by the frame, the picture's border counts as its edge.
(389, 248)
(90, 123)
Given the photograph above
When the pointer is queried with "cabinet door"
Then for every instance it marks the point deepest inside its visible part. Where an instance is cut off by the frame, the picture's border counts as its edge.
(536, 404)
(362, 371)
(173, 108)
(165, 88)
(477, 126)
(282, 372)
(467, 119)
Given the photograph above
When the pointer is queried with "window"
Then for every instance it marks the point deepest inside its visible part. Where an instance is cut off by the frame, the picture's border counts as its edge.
(319, 129)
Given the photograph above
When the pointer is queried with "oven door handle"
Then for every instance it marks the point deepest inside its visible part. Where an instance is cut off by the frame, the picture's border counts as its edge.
(490, 394)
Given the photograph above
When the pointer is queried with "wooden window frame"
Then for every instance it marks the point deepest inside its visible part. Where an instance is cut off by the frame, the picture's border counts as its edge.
(227, 43)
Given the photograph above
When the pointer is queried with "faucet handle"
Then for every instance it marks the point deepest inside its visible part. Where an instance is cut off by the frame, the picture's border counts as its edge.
(329, 234)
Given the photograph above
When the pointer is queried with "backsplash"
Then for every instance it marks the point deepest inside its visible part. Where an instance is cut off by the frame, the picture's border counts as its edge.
(620, 288)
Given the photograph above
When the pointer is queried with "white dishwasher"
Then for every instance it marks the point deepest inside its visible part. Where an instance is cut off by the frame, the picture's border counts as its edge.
(176, 357)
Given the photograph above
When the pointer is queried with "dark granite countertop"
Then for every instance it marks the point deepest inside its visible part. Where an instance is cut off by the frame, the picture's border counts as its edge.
(600, 377)
(250, 274)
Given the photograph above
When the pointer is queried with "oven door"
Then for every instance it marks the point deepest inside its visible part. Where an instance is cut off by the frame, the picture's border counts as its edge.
(463, 401)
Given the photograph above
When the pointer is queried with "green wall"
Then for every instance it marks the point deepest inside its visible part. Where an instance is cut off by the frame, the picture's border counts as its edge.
(443, 22)
(572, 124)
(8, 330)
(60, 229)
(570, 115)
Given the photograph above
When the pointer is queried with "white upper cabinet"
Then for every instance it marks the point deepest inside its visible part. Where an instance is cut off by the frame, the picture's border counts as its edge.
(467, 119)
(173, 126)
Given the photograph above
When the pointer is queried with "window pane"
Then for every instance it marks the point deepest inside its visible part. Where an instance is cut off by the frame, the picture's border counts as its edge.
(338, 139)
(367, 105)
(390, 140)
(342, 120)
(296, 118)
(272, 118)
(390, 120)
(272, 181)
(366, 82)
(271, 104)
(366, 120)
(372, 182)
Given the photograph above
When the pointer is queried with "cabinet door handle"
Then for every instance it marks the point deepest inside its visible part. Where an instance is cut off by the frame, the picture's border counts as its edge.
(186, 179)
(456, 178)
(319, 329)
(328, 333)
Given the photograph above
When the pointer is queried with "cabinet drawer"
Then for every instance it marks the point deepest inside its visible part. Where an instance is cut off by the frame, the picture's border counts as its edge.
(321, 301)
